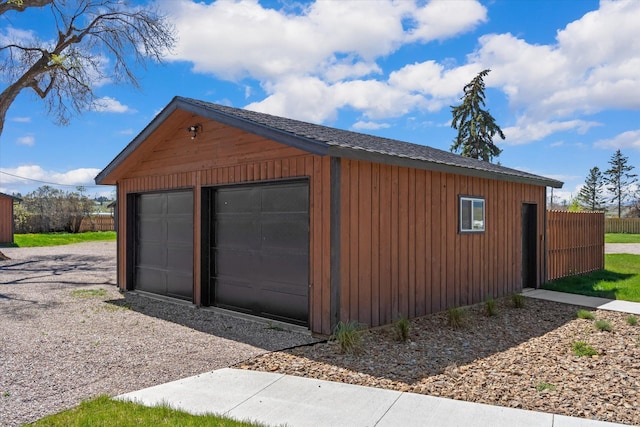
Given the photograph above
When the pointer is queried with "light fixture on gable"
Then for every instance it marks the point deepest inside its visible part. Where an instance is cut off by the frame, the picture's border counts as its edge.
(194, 130)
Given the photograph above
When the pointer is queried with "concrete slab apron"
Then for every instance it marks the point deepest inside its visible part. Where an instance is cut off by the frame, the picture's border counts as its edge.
(296, 401)
(418, 410)
(277, 399)
(216, 392)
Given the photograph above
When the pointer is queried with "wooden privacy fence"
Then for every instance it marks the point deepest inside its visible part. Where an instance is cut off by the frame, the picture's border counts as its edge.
(97, 223)
(575, 243)
(622, 225)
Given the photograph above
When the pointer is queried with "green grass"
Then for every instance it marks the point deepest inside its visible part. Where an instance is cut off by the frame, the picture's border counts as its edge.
(545, 386)
(89, 293)
(348, 336)
(621, 238)
(490, 307)
(456, 317)
(104, 411)
(619, 280)
(603, 325)
(56, 239)
(582, 349)
(402, 327)
(585, 314)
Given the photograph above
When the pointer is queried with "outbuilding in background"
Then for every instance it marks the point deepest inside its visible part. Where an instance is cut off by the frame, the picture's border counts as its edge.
(7, 225)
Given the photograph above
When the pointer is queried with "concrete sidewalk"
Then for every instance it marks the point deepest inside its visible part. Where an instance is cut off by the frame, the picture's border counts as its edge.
(584, 301)
(278, 399)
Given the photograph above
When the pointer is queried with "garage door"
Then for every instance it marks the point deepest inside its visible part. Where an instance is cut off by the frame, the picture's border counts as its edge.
(261, 250)
(164, 244)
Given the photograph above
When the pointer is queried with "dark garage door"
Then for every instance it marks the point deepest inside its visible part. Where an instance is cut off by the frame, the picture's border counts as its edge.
(164, 244)
(261, 250)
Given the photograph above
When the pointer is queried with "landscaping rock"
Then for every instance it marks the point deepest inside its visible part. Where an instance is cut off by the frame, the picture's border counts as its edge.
(503, 360)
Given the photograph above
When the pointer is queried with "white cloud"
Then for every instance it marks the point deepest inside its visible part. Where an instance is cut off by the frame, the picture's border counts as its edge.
(322, 100)
(524, 133)
(107, 104)
(630, 139)
(443, 19)
(313, 59)
(593, 65)
(21, 119)
(81, 176)
(333, 40)
(370, 125)
(28, 140)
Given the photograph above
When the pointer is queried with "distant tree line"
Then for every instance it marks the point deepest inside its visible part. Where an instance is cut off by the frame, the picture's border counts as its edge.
(618, 180)
(47, 210)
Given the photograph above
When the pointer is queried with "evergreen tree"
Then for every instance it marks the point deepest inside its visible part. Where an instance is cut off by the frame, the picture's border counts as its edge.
(590, 196)
(476, 127)
(619, 178)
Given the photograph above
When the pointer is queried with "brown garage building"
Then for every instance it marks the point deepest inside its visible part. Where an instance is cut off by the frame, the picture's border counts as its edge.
(311, 225)
(6, 217)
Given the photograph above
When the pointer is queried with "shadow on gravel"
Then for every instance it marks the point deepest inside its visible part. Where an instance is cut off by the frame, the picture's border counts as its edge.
(37, 268)
(17, 308)
(263, 335)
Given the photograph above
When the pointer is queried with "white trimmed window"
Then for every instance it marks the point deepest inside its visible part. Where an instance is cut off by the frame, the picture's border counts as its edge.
(471, 214)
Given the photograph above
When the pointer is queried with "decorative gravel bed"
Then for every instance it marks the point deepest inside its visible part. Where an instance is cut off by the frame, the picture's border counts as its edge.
(521, 358)
(67, 334)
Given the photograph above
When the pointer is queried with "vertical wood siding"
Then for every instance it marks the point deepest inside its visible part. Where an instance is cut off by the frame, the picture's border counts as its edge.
(6, 219)
(402, 254)
(316, 168)
(575, 243)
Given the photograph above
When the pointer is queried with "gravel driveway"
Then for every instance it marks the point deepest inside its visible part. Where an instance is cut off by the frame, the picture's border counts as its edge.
(67, 334)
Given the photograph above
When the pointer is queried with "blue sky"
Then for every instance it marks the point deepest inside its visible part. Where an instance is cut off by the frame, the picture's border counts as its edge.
(564, 85)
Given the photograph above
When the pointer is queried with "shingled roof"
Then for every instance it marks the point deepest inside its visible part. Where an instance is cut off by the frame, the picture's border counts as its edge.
(324, 140)
(14, 198)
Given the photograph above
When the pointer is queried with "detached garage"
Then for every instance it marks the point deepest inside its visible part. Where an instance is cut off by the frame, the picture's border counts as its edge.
(310, 225)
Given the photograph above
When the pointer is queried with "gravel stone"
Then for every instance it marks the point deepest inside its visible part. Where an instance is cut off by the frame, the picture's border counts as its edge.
(60, 345)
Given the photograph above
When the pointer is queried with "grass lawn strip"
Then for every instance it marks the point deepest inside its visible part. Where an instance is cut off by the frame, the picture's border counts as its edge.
(56, 239)
(621, 238)
(103, 411)
(619, 280)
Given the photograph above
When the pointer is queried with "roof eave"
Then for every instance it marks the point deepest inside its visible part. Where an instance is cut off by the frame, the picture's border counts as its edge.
(305, 144)
(370, 156)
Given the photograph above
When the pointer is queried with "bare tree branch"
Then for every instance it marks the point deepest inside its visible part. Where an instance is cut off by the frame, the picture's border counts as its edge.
(89, 35)
(21, 5)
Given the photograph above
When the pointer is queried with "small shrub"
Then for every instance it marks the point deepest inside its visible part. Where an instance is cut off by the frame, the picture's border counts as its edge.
(581, 348)
(585, 314)
(456, 317)
(603, 325)
(402, 327)
(545, 386)
(490, 307)
(517, 300)
(632, 320)
(348, 336)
